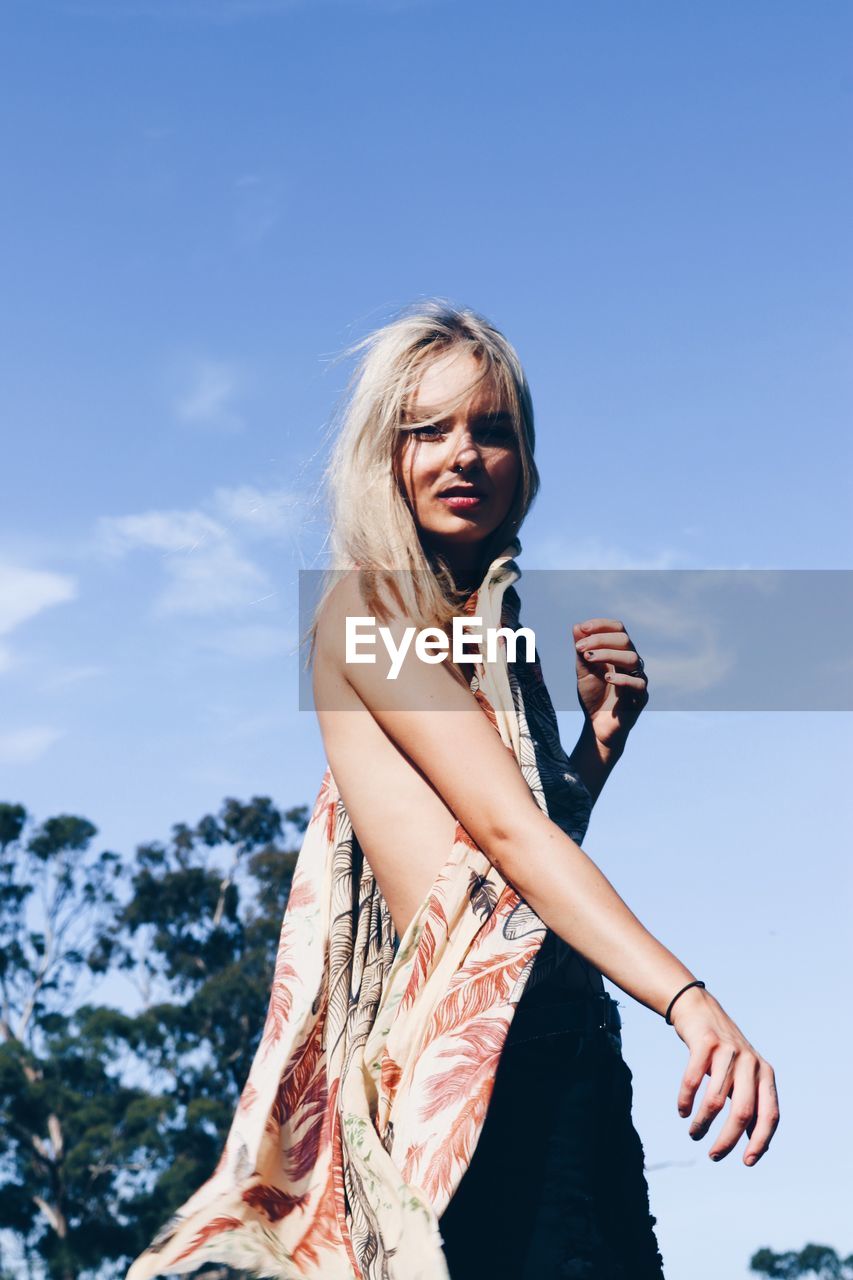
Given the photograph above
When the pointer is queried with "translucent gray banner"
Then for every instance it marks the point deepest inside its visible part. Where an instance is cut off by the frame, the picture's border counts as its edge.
(710, 639)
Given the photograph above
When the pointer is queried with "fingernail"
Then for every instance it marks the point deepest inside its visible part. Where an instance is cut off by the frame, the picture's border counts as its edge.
(751, 1159)
(715, 1155)
(590, 653)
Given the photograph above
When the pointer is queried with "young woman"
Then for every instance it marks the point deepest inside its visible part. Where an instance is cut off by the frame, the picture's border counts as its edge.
(439, 1090)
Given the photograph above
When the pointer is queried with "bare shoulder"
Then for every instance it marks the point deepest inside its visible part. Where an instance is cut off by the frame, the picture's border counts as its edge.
(329, 675)
(346, 600)
(345, 603)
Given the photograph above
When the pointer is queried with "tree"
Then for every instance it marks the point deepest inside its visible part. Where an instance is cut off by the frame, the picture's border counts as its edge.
(208, 952)
(815, 1260)
(41, 962)
(109, 1120)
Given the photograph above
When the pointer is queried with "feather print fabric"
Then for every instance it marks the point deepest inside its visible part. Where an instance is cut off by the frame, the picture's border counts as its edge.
(370, 1085)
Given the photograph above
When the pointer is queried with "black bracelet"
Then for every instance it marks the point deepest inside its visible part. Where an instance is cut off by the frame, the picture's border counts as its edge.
(694, 983)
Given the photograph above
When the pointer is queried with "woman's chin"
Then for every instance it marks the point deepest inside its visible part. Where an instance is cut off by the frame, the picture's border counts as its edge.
(466, 533)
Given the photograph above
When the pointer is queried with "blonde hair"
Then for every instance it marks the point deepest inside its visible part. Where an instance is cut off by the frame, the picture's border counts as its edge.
(372, 526)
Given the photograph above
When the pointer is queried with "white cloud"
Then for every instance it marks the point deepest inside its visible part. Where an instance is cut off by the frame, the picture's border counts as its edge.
(23, 746)
(269, 514)
(169, 531)
(207, 571)
(704, 667)
(24, 593)
(202, 551)
(63, 677)
(217, 579)
(207, 399)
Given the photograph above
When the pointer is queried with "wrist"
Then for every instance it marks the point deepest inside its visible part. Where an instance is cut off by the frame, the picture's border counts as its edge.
(606, 752)
(686, 1004)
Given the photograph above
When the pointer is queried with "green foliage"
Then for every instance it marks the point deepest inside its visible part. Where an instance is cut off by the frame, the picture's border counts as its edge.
(110, 1120)
(814, 1262)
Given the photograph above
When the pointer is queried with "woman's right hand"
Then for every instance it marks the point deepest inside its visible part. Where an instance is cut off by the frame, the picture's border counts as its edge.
(719, 1049)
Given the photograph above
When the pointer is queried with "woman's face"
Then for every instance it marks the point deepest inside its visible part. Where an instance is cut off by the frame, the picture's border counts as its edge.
(473, 447)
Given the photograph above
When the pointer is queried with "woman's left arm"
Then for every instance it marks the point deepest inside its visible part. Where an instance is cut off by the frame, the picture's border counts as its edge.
(612, 691)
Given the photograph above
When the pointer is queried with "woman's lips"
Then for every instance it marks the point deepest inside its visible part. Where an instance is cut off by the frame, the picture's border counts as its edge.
(458, 502)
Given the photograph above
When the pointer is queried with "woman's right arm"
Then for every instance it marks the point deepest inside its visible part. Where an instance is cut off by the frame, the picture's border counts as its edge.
(439, 724)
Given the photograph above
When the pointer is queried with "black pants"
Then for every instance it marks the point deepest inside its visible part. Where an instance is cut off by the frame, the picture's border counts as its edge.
(556, 1187)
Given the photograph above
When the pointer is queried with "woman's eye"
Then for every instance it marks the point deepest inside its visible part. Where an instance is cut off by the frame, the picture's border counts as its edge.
(492, 435)
(501, 437)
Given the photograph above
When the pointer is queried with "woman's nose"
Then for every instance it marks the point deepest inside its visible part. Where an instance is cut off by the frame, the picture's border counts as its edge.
(465, 453)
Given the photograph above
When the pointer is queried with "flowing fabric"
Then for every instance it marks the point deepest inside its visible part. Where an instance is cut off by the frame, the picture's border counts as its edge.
(370, 1085)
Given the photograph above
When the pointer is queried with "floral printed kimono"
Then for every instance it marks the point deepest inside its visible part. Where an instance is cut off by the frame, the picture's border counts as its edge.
(369, 1088)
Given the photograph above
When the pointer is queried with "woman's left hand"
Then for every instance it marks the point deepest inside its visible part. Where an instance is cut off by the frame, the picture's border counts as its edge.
(611, 698)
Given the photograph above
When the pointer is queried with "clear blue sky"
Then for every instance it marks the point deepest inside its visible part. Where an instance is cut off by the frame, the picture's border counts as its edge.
(206, 200)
